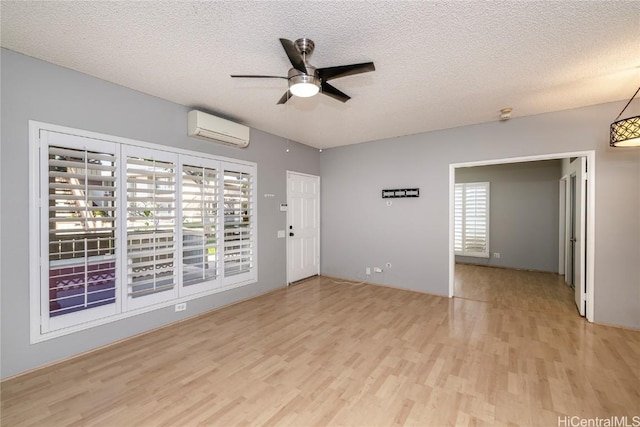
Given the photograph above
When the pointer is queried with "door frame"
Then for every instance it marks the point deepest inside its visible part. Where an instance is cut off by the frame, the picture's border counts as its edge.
(286, 232)
(590, 213)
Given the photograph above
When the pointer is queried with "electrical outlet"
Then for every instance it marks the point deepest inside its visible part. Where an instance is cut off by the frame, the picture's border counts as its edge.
(181, 306)
(367, 271)
(377, 270)
(496, 254)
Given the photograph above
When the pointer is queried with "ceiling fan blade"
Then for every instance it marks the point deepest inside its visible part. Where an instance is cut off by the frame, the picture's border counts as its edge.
(246, 76)
(330, 73)
(294, 55)
(331, 91)
(287, 95)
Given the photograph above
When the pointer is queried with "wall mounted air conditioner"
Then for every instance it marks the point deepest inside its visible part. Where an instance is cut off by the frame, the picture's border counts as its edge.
(205, 126)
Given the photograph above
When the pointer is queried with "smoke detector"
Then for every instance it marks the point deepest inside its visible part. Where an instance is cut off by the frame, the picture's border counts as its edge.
(505, 114)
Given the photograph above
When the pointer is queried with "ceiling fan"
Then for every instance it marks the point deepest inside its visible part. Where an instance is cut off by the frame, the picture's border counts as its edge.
(306, 80)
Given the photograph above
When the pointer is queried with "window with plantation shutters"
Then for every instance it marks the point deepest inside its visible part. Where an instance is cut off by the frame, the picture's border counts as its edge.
(199, 226)
(120, 227)
(80, 216)
(471, 219)
(238, 222)
(151, 227)
(82, 229)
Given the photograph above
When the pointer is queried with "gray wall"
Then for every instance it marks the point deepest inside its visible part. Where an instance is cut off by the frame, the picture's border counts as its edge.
(359, 230)
(524, 213)
(36, 90)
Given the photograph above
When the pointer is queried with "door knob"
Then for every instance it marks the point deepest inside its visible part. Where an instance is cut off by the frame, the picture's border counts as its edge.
(291, 234)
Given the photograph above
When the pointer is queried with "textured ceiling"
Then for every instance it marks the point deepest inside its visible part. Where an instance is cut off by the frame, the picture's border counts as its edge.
(438, 64)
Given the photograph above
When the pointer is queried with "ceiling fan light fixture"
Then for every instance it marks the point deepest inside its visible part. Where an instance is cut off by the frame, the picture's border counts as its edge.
(305, 80)
(304, 86)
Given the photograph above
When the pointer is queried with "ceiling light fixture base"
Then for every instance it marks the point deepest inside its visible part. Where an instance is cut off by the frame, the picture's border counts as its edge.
(505, 114)
(305, 46)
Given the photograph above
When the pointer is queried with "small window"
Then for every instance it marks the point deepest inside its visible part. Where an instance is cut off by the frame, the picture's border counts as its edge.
(471, 229)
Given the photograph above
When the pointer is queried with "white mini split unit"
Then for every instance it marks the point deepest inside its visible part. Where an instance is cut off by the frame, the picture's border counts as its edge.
(205, 126)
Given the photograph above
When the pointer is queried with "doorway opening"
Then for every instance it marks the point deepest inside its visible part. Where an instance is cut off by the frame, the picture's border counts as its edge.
(581, 264)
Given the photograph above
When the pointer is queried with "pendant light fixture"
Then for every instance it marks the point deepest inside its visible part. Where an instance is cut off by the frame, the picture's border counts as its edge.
(626, 132)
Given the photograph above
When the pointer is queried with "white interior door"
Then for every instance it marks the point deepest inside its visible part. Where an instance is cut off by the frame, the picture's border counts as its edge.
(303, 226)
(576, 228)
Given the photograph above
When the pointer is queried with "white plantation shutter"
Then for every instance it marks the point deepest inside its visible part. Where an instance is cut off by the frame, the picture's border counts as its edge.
(476, 215)
(458, 218)
(238, 222)
(79, 189)
(81, 229)
(151, 228)
(200, 252)
(471, 219)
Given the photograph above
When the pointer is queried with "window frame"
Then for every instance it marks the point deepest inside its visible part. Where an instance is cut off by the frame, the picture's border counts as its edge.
(39, 229)
(471, 253)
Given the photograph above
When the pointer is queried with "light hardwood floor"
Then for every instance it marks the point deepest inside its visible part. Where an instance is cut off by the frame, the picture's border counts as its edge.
(323, 353)
(517, 289)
